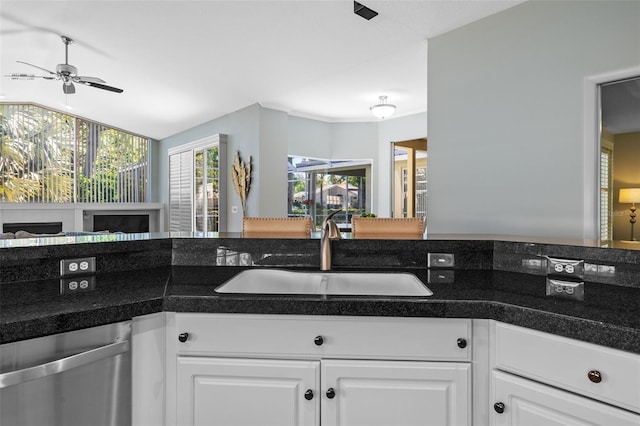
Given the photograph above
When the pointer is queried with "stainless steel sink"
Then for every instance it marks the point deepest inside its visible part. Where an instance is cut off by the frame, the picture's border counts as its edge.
(278, 281)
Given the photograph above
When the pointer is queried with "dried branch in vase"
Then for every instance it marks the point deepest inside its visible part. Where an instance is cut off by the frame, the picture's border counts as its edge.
(241, 176)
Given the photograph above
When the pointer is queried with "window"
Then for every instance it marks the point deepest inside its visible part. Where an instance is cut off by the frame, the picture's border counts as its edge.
(420, 192)
(197, 186)
(51, 157)
(317, 187)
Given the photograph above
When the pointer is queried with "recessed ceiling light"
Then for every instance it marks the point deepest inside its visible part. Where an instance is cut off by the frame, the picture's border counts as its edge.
(364, 11)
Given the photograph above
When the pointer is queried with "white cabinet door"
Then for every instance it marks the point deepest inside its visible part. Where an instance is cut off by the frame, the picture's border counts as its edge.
(528, 403)
(246, 392)
(398, 393)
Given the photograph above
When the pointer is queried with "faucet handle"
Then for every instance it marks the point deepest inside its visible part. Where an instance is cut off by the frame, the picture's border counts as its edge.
(328, 217)
(334, 231)
(329, 227)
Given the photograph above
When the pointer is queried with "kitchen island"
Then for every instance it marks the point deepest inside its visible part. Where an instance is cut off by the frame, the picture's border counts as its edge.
(492, 279)
(509, 320)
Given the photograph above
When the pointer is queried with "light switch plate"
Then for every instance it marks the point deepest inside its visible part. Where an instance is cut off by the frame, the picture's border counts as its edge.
(440, 260)
(440, 276)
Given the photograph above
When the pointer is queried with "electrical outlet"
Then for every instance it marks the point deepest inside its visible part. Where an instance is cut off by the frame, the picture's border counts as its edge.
(565, 289)
(565, 267)
(77, 284)
(440, 260)
(84, 265)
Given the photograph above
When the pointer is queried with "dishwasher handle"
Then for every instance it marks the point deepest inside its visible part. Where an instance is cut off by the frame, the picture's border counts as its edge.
(12, 378)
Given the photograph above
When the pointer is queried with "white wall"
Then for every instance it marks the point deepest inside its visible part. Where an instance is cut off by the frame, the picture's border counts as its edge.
(506, 143)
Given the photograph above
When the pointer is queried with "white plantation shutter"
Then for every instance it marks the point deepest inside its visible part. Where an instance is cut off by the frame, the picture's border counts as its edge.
(185, 202)
(181, 192)
(605, 194)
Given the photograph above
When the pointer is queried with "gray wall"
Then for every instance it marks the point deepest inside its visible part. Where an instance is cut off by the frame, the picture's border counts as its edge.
(362, 141)
(309, 138)
(505, 120)
(243, 129)
(271, 167)
(269, 136)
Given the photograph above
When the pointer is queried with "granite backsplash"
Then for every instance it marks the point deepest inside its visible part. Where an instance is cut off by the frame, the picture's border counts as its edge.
(604, 265)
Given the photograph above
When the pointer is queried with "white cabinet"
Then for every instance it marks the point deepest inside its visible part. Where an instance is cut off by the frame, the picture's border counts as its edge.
(543, 379)
(331, 371)
(244, 392)
(528, 403)
(399, 393)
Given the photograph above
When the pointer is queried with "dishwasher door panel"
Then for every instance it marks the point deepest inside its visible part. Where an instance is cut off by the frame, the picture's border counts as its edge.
(76, 378)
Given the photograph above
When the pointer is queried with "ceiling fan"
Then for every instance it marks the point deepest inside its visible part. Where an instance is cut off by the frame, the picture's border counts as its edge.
(67, 73)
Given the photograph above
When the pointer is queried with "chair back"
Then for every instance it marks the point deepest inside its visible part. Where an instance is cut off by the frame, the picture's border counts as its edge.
(405, 228)
(277, 227)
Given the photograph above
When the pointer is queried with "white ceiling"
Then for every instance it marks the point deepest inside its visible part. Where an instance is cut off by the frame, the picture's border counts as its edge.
(182, 63)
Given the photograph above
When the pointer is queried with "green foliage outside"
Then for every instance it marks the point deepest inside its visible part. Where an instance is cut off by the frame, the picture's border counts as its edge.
(44, 158)
(35, 155)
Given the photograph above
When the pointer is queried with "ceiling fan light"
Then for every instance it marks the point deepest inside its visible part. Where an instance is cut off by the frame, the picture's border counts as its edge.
(383, 109)
(68, 88)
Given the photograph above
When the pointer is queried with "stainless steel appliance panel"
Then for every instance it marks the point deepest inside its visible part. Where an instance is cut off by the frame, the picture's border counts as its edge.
(79, 378)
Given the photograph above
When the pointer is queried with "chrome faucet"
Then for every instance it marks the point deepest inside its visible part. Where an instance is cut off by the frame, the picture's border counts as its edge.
(330, 232)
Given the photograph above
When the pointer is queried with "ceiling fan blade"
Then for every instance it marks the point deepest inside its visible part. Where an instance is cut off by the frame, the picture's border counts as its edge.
(102, 86)
(83, 79)
(68, 88)
(35, 66)
(16, 76)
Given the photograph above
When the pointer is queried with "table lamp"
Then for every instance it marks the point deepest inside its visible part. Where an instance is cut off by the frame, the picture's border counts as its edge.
(631, 195)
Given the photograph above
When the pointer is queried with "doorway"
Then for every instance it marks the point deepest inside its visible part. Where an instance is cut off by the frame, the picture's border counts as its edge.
(409, 188)
(619, 158)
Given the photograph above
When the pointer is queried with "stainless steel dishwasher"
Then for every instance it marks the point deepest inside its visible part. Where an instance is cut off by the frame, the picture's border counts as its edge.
(78, 378)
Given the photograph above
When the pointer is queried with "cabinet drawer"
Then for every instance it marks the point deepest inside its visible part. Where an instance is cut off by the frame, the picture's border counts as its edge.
(567, 363)
(291, 336)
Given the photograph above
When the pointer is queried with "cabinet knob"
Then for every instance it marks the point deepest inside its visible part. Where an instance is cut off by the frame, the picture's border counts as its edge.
(462, 343)
(183, 337)
(319, 340)
(499, 407)
(594, 376)
(308, 395)
(331, 393)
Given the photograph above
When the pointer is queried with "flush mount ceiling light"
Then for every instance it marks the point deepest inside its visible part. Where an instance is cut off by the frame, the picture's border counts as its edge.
(364, 11)
(383, 109)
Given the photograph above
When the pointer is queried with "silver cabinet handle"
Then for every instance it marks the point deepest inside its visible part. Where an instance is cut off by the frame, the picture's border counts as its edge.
(63, 364)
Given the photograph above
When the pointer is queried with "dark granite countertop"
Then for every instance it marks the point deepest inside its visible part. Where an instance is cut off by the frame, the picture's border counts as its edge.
(609, 314)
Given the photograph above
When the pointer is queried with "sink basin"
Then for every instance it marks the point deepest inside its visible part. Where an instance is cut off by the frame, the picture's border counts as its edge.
(278, 281)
